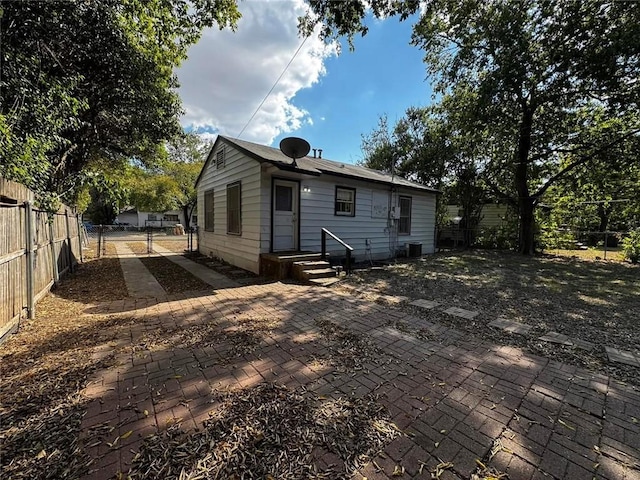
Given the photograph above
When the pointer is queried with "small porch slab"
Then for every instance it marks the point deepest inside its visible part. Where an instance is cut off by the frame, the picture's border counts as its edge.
(279, 265)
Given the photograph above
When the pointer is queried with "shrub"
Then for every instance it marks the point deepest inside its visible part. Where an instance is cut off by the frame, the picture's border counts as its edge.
(552, 238)
(500, 238)
(631, 246)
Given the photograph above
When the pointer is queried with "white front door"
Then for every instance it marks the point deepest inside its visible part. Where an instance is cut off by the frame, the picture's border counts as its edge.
(285, 215)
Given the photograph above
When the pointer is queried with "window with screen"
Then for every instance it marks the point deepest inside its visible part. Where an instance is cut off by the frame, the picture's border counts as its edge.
(208, 211)
(234, 213)
(284, 198)
(345, 201)
(404, 224)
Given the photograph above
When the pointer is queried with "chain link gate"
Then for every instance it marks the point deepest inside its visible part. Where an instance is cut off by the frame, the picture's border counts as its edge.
(118, 240)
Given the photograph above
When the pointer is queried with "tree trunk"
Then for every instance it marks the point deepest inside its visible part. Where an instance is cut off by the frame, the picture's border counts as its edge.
(527, 227)
(525, 200)
(603, 213)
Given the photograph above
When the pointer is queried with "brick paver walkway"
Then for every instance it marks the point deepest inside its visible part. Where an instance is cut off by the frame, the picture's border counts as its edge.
(456, 398)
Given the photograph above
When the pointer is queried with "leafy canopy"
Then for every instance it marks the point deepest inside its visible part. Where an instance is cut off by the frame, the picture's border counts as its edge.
(91, 83)
(534, 78)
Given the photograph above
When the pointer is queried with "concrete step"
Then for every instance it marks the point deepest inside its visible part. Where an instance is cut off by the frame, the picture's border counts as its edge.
(319, 273)
(298, 257)
(311, 265)
(324, 282)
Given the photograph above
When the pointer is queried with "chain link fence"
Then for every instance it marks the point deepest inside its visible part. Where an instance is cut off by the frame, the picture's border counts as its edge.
(567, 242)
(112, 240)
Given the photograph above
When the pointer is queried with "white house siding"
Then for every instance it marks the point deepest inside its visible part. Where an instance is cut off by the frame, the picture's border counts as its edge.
(129, 218)
(492, 215)
(240, 250)
(317, 211)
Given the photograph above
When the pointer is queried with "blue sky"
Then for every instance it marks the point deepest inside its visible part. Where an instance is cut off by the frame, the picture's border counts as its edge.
(328, 99)
(383, 75)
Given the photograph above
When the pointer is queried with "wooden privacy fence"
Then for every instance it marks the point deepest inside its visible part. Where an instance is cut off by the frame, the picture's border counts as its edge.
(36, 249)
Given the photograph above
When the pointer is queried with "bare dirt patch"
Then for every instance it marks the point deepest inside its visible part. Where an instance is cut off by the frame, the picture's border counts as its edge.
(172, 277)
(587, 300)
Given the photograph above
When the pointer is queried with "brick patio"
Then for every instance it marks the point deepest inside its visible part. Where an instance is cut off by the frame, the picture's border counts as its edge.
(455, 397)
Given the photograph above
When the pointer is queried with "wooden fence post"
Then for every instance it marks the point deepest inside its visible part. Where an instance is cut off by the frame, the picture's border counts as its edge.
(69, 247)
(54, 256)
(79, 224)
(30, 277)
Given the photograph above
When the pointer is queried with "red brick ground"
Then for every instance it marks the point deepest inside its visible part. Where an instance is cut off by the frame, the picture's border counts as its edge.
(456, 398)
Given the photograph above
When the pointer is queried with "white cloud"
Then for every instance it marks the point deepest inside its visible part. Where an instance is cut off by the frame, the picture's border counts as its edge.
(228, 74)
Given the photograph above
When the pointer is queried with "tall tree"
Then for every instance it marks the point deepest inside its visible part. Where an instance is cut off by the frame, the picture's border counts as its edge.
(171, 185)
(542, 74)
(92, 81)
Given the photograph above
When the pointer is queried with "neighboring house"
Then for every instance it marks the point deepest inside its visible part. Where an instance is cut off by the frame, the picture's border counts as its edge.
(492, 215)
(252, 200)
(151, 219)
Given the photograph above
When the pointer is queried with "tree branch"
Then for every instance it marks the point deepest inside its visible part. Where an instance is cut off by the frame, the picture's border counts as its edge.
(581, 161)
(500, 194)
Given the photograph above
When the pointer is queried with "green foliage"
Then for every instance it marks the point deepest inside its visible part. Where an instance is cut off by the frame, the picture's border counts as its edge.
(631, 246)
(550, 238)
(504, 237)
(171, 185)
(534, 82)
(90, 84)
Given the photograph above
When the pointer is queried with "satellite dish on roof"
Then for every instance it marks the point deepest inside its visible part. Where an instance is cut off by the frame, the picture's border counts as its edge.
(294, 148)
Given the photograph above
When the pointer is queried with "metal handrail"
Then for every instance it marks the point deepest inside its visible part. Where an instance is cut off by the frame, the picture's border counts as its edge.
(348, 248)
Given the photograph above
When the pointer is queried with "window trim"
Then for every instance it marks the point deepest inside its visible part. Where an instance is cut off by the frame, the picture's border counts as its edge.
(400, 198)
(335, 203)
(220, 158)
(230, 186)
(207, 227)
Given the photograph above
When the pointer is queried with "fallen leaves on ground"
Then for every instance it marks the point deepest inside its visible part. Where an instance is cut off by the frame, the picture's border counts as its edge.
(172, 277)
(586, 300)
(44, 368)
(270, 431)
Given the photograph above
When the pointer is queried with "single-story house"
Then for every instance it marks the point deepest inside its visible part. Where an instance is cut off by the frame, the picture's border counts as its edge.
(492, 214)
(135, 218)
(253, 200)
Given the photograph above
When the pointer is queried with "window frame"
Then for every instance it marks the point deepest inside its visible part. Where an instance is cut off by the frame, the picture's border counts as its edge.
(220, 158)
(230, 186)
(335, 203)
(400, 198)
(209, 217)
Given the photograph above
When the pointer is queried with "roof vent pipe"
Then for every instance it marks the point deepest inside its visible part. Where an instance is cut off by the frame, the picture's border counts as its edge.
(314, 152)
(319, 153)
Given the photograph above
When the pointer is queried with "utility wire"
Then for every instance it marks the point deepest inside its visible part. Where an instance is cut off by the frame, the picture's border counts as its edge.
(274, 86)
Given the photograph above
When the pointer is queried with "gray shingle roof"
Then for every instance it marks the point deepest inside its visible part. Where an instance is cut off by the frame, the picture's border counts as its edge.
(317, 166)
